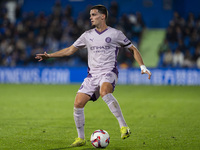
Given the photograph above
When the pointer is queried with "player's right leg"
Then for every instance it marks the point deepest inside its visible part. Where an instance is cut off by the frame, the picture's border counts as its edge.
(79, 118)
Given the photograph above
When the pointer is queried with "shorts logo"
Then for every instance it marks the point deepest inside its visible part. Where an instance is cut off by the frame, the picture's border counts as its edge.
(109, 75)
(108, 39)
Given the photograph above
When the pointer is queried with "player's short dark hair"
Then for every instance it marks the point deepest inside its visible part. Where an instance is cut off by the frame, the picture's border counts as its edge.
(101, 9)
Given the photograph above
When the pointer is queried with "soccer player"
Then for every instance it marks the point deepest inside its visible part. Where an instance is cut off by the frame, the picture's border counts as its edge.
(103, 44)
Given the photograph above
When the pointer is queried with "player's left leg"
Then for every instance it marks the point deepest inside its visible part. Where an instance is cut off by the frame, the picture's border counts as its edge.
(106, 94)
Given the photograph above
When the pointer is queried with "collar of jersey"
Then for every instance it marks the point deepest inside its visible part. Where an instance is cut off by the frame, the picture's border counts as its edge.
(101, 31)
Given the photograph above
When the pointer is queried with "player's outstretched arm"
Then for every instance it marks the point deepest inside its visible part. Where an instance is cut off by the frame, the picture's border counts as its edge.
(139, 60)
(61, 53)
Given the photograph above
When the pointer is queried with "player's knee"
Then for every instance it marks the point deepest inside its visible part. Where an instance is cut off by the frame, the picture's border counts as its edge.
(80, 100)
(78, 104)
(103, 93)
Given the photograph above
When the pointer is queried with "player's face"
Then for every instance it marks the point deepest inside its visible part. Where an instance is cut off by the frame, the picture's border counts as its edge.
(96, 18)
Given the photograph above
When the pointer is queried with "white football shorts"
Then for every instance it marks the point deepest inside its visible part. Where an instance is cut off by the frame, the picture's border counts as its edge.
(92, 83)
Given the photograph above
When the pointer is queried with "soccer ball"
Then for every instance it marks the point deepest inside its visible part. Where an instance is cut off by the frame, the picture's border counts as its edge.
(100, 139)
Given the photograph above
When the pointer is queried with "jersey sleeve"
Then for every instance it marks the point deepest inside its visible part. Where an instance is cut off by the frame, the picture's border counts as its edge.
(123, 40)
(80, 42)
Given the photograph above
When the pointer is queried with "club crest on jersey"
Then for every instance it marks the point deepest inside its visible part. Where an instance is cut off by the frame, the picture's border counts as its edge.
(108, 39)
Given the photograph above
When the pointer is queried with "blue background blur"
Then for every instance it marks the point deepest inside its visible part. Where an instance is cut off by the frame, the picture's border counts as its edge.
(156, 13)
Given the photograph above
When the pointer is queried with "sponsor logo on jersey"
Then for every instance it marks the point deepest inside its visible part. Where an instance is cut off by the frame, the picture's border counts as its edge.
(99, 47)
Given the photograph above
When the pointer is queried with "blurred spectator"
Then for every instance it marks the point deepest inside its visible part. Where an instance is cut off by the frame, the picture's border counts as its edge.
(57, 10)
(113, 13)
(188, 63)
(125, 58)
(139, 26)
(178, 58)
(181, 46)
(167, 58)
(179, 34)
(68, 12)
(163, 47)
(170, 34)
(198, 63)
(196, 53)
(18, 12)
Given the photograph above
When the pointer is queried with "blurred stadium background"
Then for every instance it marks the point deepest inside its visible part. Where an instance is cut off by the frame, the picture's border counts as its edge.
(167, 33)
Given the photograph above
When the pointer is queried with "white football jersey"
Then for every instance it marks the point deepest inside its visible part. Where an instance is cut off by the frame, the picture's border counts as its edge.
(103, 48)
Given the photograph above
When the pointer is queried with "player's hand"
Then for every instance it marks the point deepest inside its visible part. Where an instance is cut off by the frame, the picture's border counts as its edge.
(144, 70)
(41, 57)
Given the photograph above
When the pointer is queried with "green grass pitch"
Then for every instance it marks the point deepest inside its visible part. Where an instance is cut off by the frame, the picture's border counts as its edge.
(40, 117)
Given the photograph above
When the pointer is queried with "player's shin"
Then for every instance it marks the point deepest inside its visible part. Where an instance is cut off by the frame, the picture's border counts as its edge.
(115, 108)
(79, 119)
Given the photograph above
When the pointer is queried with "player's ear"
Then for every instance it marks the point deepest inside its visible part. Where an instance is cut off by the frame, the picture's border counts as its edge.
(103, 16)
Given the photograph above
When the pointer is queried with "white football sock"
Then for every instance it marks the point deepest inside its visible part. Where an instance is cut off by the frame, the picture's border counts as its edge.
(114, 108)
(79, 119)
